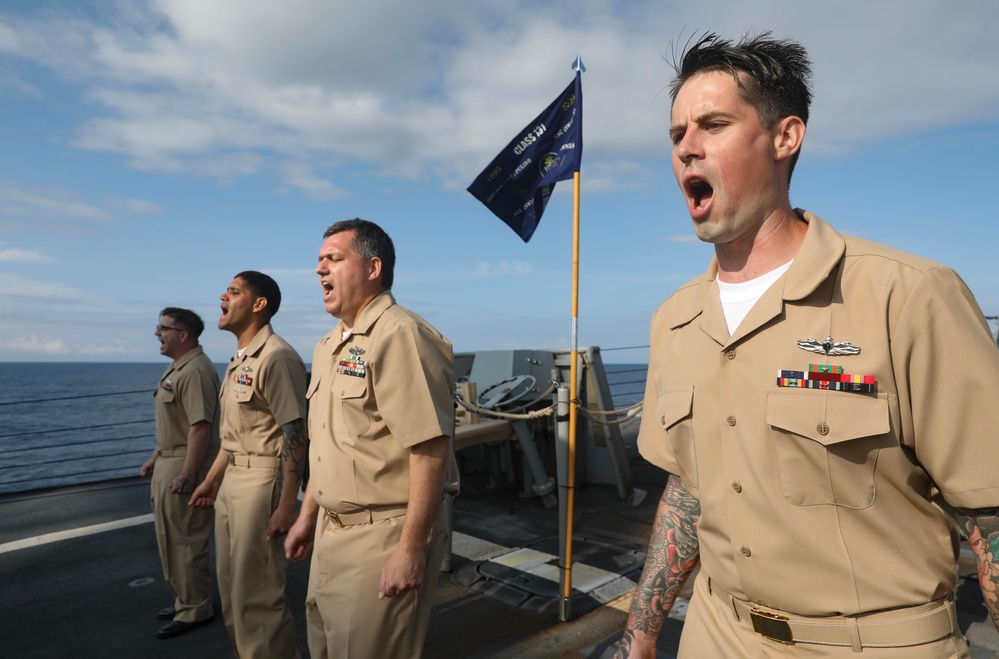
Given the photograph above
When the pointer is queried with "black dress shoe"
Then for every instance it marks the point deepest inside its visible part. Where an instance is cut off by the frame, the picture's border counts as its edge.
(167, 613)
(176, 627)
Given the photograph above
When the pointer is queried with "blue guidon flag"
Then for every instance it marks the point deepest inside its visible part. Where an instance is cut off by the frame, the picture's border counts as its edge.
(516, 185)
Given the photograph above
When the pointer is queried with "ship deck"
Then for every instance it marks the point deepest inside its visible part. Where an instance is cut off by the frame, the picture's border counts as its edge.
(80, 576)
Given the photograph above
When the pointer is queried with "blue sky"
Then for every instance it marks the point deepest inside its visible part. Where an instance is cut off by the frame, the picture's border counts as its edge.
(152, 150)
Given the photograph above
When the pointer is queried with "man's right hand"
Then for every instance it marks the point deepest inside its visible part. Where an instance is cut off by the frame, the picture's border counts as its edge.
(630, 647)
(146, 470)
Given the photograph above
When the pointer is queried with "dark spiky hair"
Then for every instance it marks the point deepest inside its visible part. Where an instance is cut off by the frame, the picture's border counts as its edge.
(773, 75)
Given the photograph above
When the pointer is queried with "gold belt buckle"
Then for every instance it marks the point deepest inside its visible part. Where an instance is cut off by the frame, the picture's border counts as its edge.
(335, 518)
(771, 625)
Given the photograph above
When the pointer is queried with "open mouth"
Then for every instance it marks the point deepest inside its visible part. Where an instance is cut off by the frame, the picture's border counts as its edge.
(700, 192)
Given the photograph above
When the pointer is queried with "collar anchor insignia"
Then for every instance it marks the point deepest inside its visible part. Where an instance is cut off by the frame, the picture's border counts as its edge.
(829, 347)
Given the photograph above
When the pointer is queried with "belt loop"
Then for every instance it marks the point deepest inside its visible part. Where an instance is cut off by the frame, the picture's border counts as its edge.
(952, 614)
(855, 644)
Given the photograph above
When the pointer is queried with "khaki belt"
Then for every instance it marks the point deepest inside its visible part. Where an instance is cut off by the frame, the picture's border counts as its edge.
(241, 460)
(368, 516)
(178, 452)
(890, 629)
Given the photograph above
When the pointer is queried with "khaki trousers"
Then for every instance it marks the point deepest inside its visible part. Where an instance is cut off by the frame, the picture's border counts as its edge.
(182, 534)
(251, 568)
(711, 630)
(345, 617)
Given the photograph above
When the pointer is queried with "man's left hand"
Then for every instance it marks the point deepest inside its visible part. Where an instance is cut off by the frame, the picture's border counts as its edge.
(281, 520)
(183, 484)
(403, 572)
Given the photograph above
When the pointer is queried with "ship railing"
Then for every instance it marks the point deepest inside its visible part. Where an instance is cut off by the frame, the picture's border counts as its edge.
(41, 457)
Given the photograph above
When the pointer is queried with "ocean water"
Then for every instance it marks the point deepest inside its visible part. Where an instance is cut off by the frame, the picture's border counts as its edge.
(72, 423)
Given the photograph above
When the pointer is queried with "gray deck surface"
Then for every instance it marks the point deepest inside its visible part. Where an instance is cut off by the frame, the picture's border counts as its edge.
(97, 596)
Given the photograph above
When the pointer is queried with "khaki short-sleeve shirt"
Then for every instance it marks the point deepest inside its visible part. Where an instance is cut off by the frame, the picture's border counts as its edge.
(373, 395)
(821, 502)
(262, 390)
(187, 394)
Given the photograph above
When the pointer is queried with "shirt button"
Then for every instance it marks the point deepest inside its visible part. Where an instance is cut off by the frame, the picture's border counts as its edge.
(746, 551)
(737, 487)
(823, 429)
(730, 420)
(662, 419)
(730, 354)
(320, 493)
(319, 458)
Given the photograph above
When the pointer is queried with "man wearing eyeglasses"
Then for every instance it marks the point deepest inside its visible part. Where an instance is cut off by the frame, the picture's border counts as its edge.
(187, 439)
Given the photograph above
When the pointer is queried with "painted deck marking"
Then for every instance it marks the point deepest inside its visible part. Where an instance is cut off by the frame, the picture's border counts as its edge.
(48, 538)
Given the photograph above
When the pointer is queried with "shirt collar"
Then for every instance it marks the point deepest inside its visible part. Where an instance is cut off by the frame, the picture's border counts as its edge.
(371, 313)
(185, 359)
(820, 252)
(257, 343)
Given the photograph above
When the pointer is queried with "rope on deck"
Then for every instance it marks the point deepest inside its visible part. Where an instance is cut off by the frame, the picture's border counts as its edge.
(512, 415)
(630, 412)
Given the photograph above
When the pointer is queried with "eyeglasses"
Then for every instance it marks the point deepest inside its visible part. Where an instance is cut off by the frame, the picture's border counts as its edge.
(163, 328)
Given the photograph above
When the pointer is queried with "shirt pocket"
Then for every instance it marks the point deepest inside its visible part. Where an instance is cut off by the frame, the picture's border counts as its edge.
(351, 393)
(242, 395)
(245, 408)
(674, 410)
(827, 446)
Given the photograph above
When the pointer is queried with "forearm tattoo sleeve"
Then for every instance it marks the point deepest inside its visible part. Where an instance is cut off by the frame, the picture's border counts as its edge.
(293, 450)
(982, 530)
(672, 556)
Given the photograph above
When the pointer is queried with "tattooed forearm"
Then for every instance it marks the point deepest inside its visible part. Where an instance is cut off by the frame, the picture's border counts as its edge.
(982, 530)
(672, 556)
(293, 450)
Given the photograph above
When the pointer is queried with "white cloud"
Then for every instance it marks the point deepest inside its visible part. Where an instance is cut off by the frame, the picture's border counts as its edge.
(504, 269)
(14, 287)
(232, 88)
(47, 203)
(140, 206)
(18, 254)
(36, 345)
(56, 346)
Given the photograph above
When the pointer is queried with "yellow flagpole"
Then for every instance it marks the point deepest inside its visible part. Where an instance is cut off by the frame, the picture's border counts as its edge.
(573, 394)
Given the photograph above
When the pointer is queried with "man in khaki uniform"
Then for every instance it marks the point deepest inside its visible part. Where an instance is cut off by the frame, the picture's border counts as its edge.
(187, 440)
(381, 413)
(255, 480)
(809, 396)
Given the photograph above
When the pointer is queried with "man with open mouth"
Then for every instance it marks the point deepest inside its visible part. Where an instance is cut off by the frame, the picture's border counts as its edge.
(811, 397)
(254, 482)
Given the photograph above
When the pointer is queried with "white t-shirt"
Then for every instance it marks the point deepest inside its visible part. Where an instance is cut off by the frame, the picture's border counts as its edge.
(738, 299)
